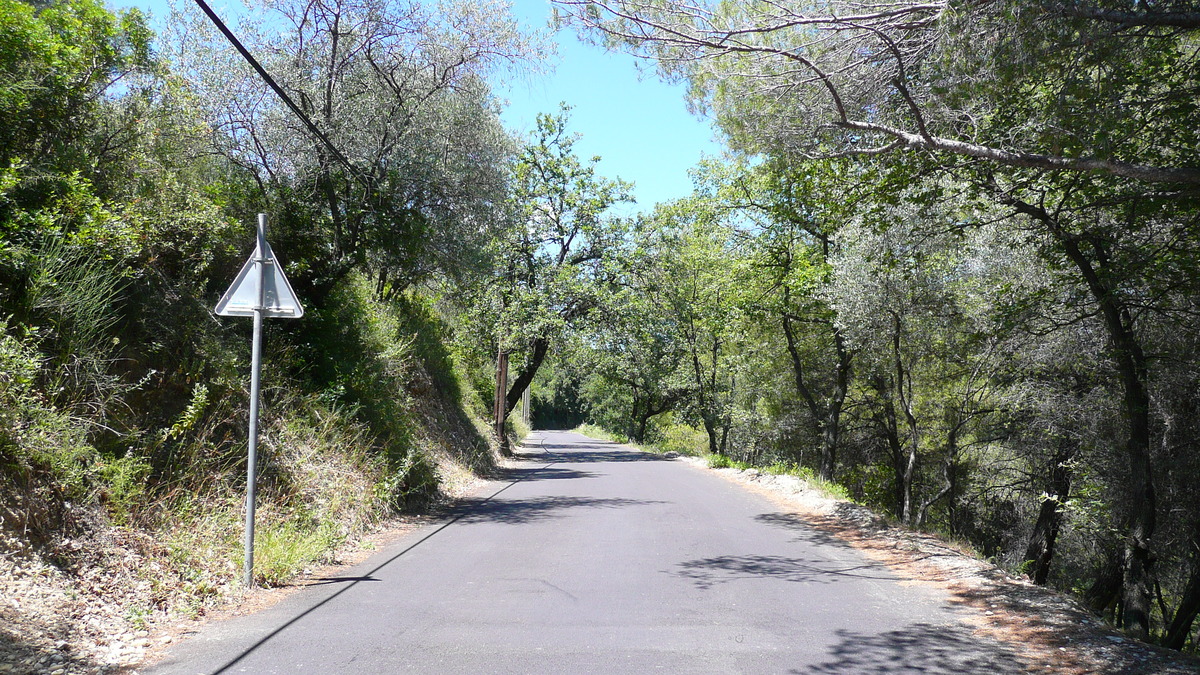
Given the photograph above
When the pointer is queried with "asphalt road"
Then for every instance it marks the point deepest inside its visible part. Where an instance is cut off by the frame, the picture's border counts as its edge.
(592, 558)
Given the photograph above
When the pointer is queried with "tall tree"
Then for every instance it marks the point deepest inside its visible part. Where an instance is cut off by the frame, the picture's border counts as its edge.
(400, 90)
(908, 74)
(632, 353)
(1068, 104)
(801, 209)
(550, 264)
(696, 277)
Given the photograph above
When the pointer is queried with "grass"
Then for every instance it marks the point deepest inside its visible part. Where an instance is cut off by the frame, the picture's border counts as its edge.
(677, 438)
(804, 473)
(593, 431)
(687, 441)
(285, 549)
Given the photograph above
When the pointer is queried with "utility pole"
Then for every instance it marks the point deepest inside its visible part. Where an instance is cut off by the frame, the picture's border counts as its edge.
(501, 403)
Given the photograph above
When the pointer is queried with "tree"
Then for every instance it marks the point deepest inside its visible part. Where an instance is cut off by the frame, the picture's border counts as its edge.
(816, 77)
(58, 65)
(802, 208)
(549, 265)
(694, 276)
(400, 91)
(904, 289)
(631, 354)
(1076, 115)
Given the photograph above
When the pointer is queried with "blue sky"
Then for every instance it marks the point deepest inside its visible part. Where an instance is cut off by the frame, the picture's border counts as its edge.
(638, 125)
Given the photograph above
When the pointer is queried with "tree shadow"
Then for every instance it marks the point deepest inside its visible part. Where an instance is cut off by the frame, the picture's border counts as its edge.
(601, 456)
(521, 511)
(323, 581)
(38, 652)
(709, 572)
(804, 529)
(526, 475)
(919, 648)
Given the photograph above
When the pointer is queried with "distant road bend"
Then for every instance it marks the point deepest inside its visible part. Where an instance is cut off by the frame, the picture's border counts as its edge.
(593, 558)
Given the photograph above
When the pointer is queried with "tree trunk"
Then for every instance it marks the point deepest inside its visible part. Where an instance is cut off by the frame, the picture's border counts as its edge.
(1045, 531)
(891, 433)
(1130, 362)
(637, 416)
(1139, 561)
(1132, 372)
(832, 430)
(500, 414)
(540, 347)
(948, 470)
(665, 403)
(1185, 614)
(710, 428)
(828, 420)
(640, 436)
(1107, 584)
(904, 397)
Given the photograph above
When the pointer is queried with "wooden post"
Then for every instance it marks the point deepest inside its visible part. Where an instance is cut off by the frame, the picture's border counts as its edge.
(501, 394)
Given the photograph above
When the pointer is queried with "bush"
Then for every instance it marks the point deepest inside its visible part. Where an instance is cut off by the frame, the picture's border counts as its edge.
(682, 439)
(45, 459)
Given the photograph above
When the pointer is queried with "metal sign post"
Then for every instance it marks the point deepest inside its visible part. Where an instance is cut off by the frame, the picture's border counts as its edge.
(260, 290)
(260, 265)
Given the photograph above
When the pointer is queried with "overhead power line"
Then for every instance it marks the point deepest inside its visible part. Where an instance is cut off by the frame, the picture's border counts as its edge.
(262, 72)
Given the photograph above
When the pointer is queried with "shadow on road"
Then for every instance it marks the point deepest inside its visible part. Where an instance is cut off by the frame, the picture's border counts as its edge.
(528, 475)
(598, 456)
(710, 572)
(919, 648)
(521, 511)
(322, 581)
(568, 445)
(803, 528)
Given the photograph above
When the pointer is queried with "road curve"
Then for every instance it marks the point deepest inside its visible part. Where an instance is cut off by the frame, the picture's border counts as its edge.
(593, 558)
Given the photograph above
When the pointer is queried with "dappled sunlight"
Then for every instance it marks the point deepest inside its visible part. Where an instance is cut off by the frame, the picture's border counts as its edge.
(919, 648)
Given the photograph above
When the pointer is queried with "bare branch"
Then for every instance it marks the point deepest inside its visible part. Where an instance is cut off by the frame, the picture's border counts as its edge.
(819, 68)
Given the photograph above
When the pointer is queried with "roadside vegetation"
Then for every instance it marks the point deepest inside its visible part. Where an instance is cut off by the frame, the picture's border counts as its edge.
(129, 179)
(947, 269)
(949, 265)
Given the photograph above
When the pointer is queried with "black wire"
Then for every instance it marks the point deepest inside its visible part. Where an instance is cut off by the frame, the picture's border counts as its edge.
(278, 90)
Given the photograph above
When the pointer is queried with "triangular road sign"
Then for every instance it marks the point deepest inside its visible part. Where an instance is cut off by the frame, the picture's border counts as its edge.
(279, 299)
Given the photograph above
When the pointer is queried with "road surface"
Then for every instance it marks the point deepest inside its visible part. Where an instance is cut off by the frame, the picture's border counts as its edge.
(593, 558)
